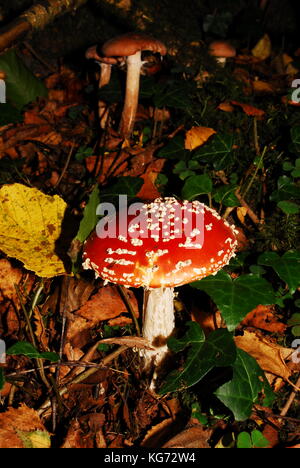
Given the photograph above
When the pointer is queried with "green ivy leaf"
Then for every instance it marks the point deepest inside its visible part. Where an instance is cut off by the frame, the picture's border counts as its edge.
(236, 298)
(286, 190)
(9, 114)
(26, 349)
(129, 186)
(193, 336)
(288, 207)
(195, 186)
(226, 195)
(174, 150)
(242, 391)
(287, 266)
(258, 439)
(218, 350)
(217, 151)
(176, 95)
(244, 440)
(90, 217)
(294, 320)
(22, 86)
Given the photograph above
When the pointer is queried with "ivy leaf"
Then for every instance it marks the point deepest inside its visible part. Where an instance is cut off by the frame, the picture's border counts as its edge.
(218, 350)
(226, 195)
(195, 186)
(236, 298)
(288, 207)
(129, 186)
(90, 217)
(193, 336)
(243, 390)
(286, 190)
(26, 349)
(217, 151)
(174, 150)
(22, 86)
(287, 266)
(9, 114)
(174, 95)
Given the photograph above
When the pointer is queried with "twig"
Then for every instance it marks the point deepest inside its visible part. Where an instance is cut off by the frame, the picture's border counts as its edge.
(38, 57)
(83, 376)
(65, 166)
(27, 318)
(290, 400)
(255, 172)
(124, 295)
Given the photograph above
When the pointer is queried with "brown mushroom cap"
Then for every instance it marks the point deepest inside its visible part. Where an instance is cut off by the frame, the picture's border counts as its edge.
(222, 49)
(129, 44)
(92, 53)
(158, 256)
(2, 75)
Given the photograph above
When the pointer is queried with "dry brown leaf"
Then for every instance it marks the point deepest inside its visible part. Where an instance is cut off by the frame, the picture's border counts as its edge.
(104, 305)
(75, 437)
(130, 341)
(40, 330)
(156, 436)
(22, 428)
(269, 356)
(263, 317)
(249, 110)
(191, 437)
(225, 107)
(262, 87)
(197, 136)
(120, 321)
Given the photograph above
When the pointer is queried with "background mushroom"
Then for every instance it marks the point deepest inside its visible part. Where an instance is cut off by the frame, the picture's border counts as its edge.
(105, 64)
(176, 243)
(131, 46)
(222, 50)
(2, 88)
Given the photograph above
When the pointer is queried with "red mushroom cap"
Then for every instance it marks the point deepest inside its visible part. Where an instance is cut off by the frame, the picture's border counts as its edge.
(222, 49)
(129, 44)
(166, 249)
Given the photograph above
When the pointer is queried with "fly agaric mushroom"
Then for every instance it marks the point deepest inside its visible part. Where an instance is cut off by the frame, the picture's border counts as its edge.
(171, 243)
(130, 46)
(2, 87)
(105, 74)
(222, 50)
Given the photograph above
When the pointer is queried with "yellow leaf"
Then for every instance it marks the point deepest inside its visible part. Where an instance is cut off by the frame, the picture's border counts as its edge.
(36, 440)
(263, 48)
(197, 136)
(241, 213)
(30, 225)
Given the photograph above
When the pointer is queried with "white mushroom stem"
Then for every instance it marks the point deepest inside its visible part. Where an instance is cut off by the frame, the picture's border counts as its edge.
(134, 64)
(2, 92)
(105, 75)
(221, 61)
(158, 324)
